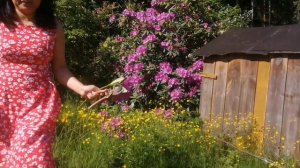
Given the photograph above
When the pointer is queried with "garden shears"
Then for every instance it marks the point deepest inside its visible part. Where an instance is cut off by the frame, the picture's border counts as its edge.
(115, 88)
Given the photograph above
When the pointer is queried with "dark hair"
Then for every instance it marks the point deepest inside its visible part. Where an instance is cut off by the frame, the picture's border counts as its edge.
(44, 16)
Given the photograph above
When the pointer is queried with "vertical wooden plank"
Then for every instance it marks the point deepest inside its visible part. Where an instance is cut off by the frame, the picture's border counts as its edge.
(207, 90)
(261, 97)
(248, 88)
(275, 103)
(233, 89)
(219, 89)
(291, 113)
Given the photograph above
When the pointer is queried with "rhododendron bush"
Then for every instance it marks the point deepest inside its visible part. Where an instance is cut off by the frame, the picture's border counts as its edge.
(155, 44)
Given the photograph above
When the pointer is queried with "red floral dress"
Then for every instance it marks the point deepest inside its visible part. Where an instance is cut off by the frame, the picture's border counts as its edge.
(29, 101)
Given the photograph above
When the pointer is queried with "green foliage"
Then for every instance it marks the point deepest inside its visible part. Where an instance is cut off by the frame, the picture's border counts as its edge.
(84, 30)
(268, 12)
(297, 10)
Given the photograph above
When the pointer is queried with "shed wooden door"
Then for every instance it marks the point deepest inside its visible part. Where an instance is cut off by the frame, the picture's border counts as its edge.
(266, 87)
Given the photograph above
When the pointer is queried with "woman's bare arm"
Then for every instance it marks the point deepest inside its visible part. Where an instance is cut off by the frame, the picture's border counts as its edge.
(62, 73)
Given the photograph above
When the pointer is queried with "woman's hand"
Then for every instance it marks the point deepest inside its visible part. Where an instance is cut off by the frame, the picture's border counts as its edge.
(91, 92)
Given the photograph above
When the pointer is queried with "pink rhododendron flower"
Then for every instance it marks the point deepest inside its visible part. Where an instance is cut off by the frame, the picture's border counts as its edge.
(128, 68)
(112, 18)
(161, 77)
(157, 28)
(133, 58)
(141, 50)
(188, 18)
(165, 44)
(150, 38)
(132, 81)
(173, 82)
(169, 114)
(165, 67)
(138, 68)
(193, 91)
(141, 16)
(128, 12)
(196, 77)
(205, 25)
(151, 14)
(183, 73)
(198, 65)
(134, 33)
(176, 94)
(164, 17)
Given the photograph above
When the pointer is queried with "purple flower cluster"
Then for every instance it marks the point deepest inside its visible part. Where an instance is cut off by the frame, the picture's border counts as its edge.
(167, 114)
(197, 65)
(116, 122)
(167, 45)
(150, 38)
(141, 50)
(151, 17)
(134, 68)
(161, 77)
(133, 81)
(112, 18)
(165, 67)
(154, 36)
(133, 58)
(193, 91)
(128, 12)
(207, 27)
(134, 33)
(113, 127)
(163, 17)
(165, 70)
(176, 94)
(183, 73)
(173, 82)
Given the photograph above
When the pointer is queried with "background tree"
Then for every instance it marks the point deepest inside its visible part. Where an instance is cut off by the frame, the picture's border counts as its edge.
(297, 10)
(267, 12)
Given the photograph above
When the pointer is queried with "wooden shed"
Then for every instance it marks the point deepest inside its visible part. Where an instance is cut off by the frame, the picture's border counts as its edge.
(255, 71)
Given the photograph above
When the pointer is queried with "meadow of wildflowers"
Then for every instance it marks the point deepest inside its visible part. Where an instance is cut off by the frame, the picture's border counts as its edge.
(114, 136)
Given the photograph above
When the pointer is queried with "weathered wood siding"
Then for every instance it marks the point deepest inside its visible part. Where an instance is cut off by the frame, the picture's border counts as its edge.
(274, 113)
(207, 90)
(291, 112)
(219, 88)
(267, 88)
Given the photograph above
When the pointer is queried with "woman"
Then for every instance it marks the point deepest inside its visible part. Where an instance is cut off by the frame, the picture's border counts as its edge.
(31, 52)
